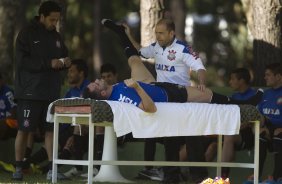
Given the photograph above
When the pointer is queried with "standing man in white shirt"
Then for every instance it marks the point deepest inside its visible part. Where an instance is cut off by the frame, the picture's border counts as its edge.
(174, 59)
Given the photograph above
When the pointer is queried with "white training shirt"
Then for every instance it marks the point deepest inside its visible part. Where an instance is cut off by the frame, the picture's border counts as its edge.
(174, 62)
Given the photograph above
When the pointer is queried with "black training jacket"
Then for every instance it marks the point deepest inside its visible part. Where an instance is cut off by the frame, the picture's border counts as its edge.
(35, 48)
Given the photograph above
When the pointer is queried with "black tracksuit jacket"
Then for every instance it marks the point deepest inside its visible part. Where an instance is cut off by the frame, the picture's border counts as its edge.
(35, 48)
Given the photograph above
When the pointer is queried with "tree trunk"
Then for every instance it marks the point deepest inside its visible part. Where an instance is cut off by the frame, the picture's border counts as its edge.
(151, 12)
(62, 23)
(267, 15)
(97, 61)
(8, 17)
(178, 14)
(21, 19)
(248, 8)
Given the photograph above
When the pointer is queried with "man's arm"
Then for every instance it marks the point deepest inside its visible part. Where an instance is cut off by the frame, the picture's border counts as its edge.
(147, 104)
(201, 79)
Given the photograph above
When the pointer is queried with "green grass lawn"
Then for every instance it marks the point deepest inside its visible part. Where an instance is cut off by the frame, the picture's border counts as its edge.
(39, 178)
(238, 175)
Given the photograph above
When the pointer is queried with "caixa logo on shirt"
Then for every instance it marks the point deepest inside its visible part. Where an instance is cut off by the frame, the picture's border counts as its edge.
(126, 100)
(165, 68)
(271, 111)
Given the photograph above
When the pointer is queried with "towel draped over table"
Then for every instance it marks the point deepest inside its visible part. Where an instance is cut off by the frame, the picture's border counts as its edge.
(176, 119)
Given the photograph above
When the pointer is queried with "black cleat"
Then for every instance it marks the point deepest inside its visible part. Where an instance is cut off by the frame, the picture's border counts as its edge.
(256, 99)
(113, 26)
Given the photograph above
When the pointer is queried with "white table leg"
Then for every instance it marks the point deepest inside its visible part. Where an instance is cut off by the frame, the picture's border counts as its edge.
(219, 154)
(90, 151)
(55, 150)
(110, 173)
(256, 152)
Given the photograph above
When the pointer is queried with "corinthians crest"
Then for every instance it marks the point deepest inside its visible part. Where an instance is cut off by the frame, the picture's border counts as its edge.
(171, 55)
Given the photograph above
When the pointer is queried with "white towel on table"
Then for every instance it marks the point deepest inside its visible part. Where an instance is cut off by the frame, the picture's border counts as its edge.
(176, 119)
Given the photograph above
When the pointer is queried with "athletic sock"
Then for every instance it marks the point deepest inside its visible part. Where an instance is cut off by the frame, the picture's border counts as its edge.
(277, 171)
(196, 153)
(78, 147)
(222, 99)
(129, 49)
(119, 29)
(27, 153)
(263, 145)
(26, 161)
(219, 99)
(50, 165)
(39, 156)
(19, 166)
(99, 146)
(150, 150)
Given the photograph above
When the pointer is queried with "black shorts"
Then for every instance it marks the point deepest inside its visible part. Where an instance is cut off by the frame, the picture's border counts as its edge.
(175, 92)
(31, 114)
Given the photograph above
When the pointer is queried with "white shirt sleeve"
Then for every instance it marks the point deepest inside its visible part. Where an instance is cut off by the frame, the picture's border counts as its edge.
(147, 52)
(193, 60)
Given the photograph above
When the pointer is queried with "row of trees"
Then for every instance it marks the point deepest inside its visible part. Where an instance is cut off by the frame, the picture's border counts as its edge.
(238, 33)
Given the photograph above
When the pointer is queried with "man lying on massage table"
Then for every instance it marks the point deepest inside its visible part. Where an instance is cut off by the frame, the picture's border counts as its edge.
(142, 90)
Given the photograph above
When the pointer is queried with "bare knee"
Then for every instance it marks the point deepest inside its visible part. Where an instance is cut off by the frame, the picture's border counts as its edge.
(196, 95)
(22, 134)
(49, 134)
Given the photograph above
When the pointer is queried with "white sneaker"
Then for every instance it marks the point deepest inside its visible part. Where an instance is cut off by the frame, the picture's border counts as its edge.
(95, 172)
(60, 176)
(72, 172)
(156, 174)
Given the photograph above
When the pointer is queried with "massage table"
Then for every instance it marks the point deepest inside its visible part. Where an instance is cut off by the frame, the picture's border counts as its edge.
(114, 115)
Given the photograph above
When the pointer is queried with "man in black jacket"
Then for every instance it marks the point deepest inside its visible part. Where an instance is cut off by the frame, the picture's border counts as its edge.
(40, 56)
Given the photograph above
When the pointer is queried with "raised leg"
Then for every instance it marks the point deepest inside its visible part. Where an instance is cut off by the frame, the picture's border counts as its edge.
(139, 72)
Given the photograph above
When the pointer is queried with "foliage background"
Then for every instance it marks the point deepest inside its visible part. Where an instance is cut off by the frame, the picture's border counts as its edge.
(226, 34)
(223, 42)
